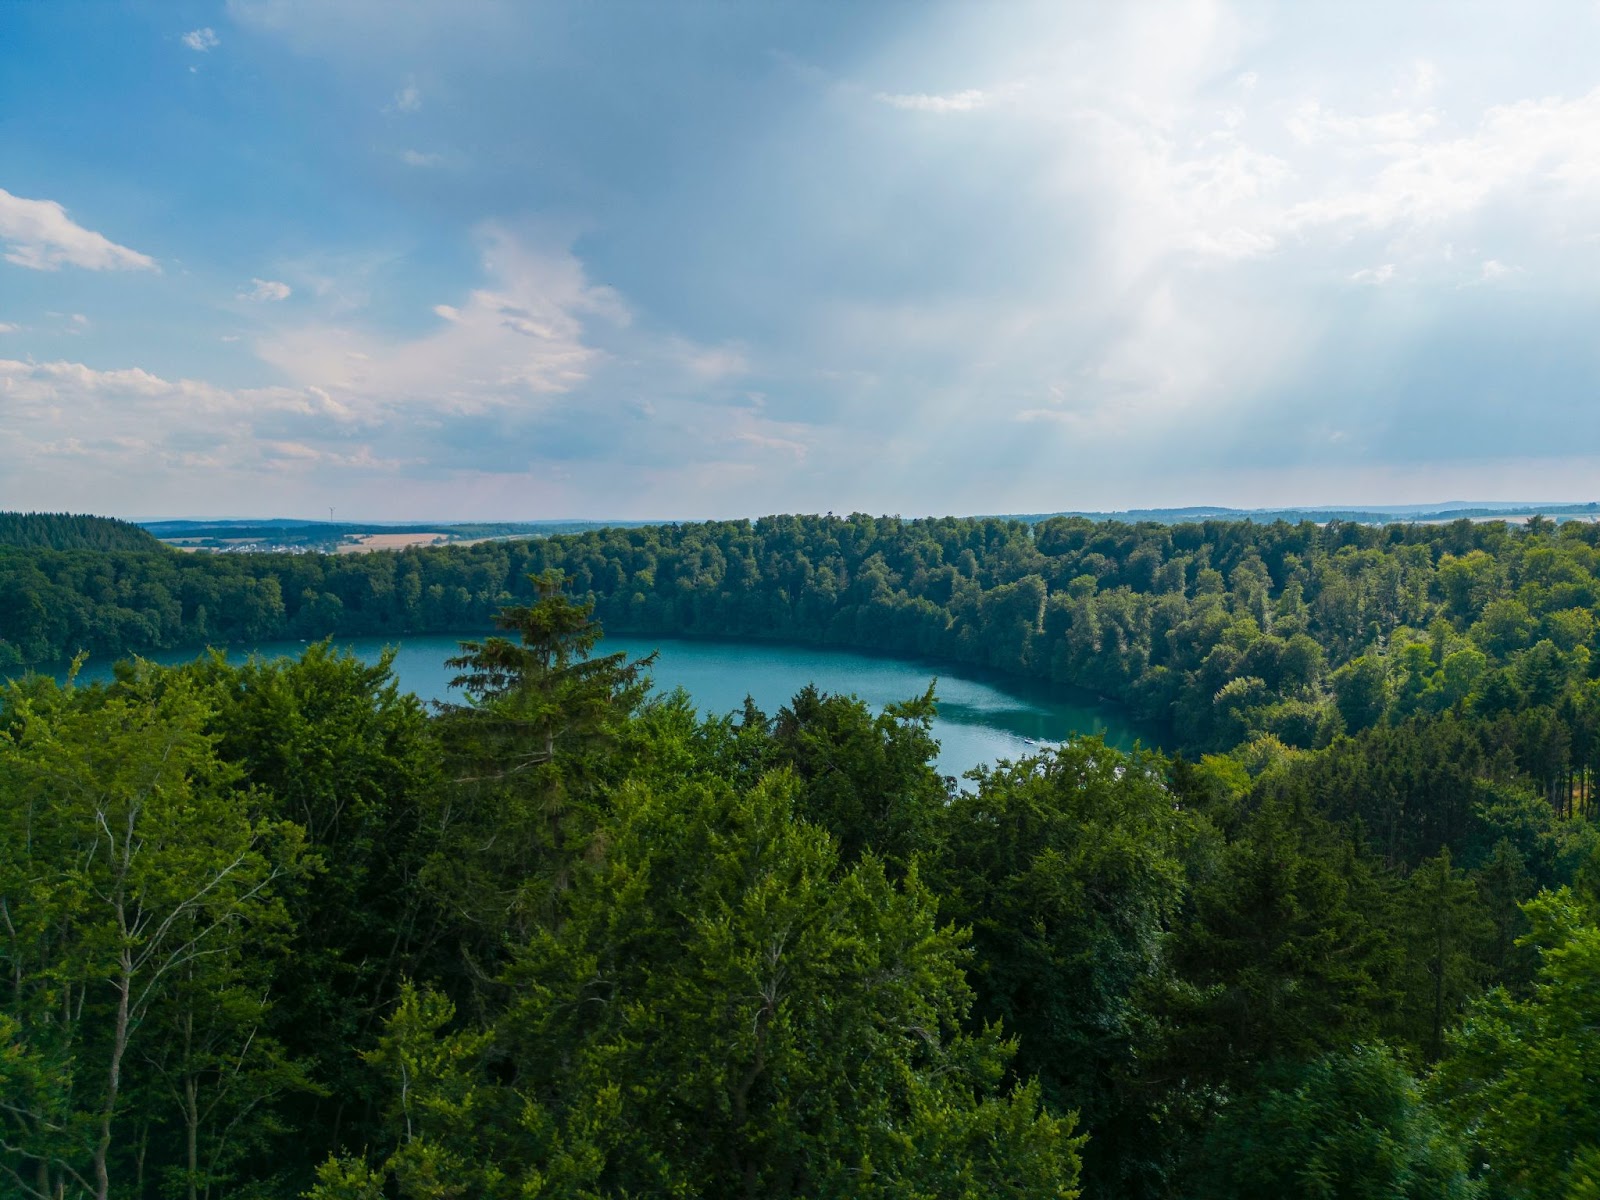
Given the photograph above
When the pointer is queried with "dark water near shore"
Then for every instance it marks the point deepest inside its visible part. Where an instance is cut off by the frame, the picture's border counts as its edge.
(981, 719)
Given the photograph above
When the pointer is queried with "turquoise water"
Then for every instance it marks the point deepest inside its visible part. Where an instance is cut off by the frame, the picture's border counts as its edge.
(980, 720)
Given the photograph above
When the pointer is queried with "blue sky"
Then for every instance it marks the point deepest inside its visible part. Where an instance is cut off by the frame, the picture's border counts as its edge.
(527, 260)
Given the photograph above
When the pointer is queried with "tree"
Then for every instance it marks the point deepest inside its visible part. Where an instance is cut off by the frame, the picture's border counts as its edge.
(529, 752)
(547, 686)
(1283, 954)
(869, 781)
(1444, 930)
(1348, 1124)
(337, 748)
(128, 858)
(208, 1068)
(1069, 868)
(1361, 690)
(721, 1013)
(1522, 1081)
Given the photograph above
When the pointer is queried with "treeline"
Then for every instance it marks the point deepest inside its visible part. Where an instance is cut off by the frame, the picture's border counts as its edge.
(68, 531)
(1218, 632)
(273, 929)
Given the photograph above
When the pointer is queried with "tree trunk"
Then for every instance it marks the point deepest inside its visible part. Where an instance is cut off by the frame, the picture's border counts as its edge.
(191, 1121)
(119, 1043)
(191, 1112)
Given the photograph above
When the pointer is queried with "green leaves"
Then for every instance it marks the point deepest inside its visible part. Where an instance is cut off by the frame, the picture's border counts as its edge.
(1283, 954)
(130, 863)
(1069, 868)
(1351, 1124)
(719, 1011)
(1523, 1079)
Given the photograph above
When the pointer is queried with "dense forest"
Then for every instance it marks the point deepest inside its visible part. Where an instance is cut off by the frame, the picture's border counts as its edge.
(68, 531)
(1220, 633)
(273, 929)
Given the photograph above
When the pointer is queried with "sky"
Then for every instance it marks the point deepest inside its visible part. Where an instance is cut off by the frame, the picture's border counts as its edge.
(467, 259)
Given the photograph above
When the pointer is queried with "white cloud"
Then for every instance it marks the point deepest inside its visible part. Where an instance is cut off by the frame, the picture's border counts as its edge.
(519, 338)
(407, 100)
(135, 425)
(965, 101)
(1180, 212)
(1547, 148)
(1235, 243)
(39, 235)
(1374, 275)
(9, 327)
(1390, 132)
(201, 40)
(266, 289)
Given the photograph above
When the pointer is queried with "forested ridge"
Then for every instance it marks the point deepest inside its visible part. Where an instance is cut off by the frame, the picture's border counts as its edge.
(1219, 632)
(69, 531)
(273, 929)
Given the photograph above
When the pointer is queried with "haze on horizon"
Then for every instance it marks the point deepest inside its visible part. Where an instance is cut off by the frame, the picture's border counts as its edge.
(471, 259)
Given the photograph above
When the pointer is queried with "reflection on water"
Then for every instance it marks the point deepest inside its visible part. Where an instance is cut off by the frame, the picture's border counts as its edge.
(979, 720)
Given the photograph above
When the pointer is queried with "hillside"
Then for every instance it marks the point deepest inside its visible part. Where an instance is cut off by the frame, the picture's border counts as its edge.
(71, 531)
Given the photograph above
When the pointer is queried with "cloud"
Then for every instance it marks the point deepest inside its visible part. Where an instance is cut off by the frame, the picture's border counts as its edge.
(39, 235)
(135, 426)
(535, 375)
(9, 327)
(516, 340)
(1390, 132)
(1547, 148)
(1177, 235)
(201, 40)
(965, 101)
(407, 100)
(62, 388)
(266, 289)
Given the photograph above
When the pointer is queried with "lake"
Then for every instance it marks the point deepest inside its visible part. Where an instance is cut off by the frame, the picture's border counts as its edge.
(981, 718)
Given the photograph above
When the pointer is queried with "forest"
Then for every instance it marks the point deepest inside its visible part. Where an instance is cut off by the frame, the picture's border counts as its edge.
(273, 929)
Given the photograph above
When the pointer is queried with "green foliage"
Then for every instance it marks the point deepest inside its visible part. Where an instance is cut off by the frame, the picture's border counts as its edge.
(1283, 954)
(1069, 868)
(531, 754)
(1361, 691)
(1523, 1079)
(136, 886)
(333, 745)
(69, 531)
(1445, 932)
(722, 1011)
(1351, 1124)
(655, 954)
(865, 779)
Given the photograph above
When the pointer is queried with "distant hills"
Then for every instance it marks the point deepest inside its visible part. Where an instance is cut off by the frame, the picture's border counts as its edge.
(1454, 510)
(67, 531)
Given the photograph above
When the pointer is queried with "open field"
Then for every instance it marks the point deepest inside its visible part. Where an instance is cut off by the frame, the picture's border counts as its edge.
(391, 541)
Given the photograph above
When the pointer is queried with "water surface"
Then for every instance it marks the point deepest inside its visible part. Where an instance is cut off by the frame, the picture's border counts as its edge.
(981, 719)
